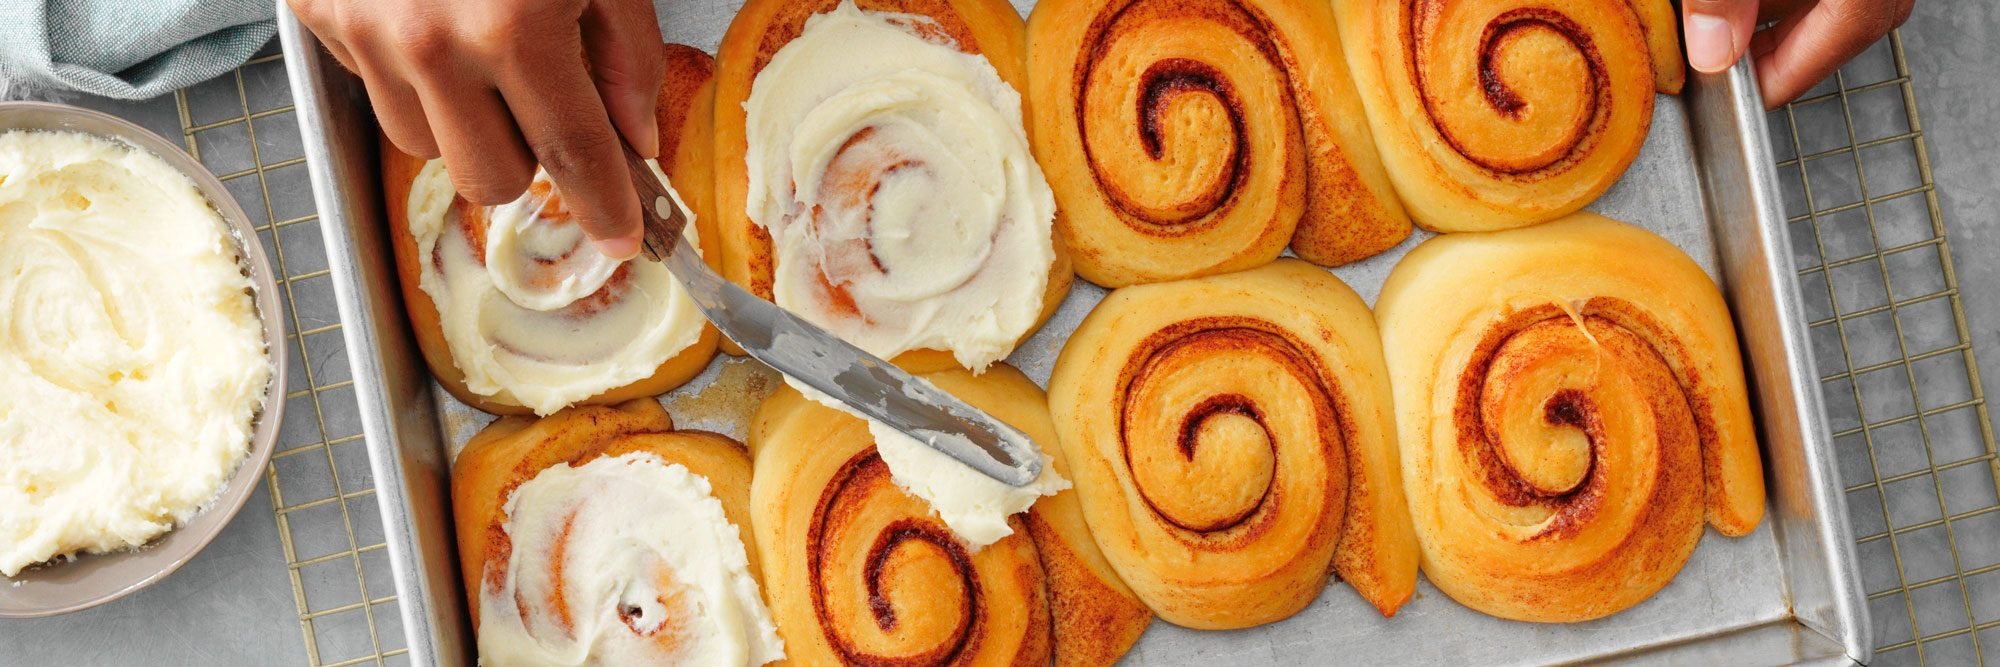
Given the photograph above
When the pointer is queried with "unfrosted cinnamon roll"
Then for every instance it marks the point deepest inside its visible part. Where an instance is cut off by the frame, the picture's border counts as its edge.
(874, 175)
(1231, 442)
(516, 312)
(1492, 114)
(1571, 405)
(1193, 138)
(861, 572)
(599, 535)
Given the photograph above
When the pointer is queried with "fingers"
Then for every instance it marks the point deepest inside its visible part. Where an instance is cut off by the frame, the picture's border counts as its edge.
(1802, 49)
(1717, 31)
(556, 104)
(1769, 11)
(397, 106)
(494, 87)
(318, 15)
(622, 40)
(488, 161)
(467, 120)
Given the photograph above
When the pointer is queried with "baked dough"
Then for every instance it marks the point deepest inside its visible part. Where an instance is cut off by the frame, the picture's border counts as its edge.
(861, 572)
(1494, 114)
(1232, 444)
(1190, 138)
(1571, 405)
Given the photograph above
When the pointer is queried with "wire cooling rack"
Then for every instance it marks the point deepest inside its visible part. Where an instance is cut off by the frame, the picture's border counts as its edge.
(1902, 388)
(242, 127)
(1901, 384)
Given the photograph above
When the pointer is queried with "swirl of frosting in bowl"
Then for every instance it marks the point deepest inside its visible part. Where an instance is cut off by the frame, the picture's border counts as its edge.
(531, 311)
(893, 174)
(132, 360)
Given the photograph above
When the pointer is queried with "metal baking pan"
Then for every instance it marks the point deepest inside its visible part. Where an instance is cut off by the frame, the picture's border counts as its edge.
(1787, 593)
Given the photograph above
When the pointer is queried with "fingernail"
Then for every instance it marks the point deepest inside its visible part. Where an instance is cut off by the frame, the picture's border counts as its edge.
(1711, 43)
(649, 140)
(620, 249)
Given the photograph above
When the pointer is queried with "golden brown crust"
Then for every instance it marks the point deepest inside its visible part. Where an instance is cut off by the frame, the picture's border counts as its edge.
(1096, 617)
(685, 105)
(1571, 406)
(1232, 442)
(513, 450)
(822, 501)
(990, 28)
(1191, 138)
(1494, 114)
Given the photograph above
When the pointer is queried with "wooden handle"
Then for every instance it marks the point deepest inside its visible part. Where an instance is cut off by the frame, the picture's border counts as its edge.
(658, 211)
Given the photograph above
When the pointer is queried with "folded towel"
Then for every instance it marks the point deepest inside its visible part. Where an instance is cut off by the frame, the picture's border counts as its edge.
(124, 48)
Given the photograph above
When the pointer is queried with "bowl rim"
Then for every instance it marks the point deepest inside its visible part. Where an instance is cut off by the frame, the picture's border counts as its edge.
(218, 513)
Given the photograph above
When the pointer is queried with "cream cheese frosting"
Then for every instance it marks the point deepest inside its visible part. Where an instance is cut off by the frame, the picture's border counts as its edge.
(531, 311)
(893, 174)
(132, 360)
(633, 547)
(973, 505)
(906, 212)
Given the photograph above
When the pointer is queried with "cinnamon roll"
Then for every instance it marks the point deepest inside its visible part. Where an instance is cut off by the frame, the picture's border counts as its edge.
(874, 175)
(1193, 138)
(1493, 114)
(861, 572)
(1231, 441)
(516, 312)
(1571, 406)
(599, 535)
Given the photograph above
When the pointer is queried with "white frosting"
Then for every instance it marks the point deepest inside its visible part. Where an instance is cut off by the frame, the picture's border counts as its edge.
(973, 505)
(896, 168)
(131, 356)
(640, 535)
(529, 320)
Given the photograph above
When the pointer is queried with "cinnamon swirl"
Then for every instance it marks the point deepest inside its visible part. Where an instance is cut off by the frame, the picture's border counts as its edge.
(874, 175)
(599, 535)
(1571, 406)
(1194, 138)
(516, 312)
(1231, 440)
(1493, 114)
(860, 572)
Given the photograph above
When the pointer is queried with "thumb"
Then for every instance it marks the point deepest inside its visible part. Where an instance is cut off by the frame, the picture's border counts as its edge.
(1718, 31)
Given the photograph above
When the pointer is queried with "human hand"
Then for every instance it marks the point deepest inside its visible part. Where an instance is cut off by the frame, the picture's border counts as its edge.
(1810, 40)
(497, 86)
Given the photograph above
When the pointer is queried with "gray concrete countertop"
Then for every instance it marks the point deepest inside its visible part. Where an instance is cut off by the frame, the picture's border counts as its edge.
(1954, 59)
(298, 578)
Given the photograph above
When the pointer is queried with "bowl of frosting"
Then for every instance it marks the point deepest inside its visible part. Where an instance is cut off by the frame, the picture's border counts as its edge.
(142, 358)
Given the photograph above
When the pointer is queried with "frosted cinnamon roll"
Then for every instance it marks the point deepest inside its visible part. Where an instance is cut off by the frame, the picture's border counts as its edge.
(517, 312)
(875, 176)
(1571, 405)
(1190, 138)
(599, 535)
(1232, 444)
(1492, 114)
(890, 196)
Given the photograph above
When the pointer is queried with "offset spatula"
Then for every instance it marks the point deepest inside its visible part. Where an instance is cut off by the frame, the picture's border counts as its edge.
(799, 349)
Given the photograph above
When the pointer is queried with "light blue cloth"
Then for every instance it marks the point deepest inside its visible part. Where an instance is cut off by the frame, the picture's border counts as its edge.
(128, 49)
